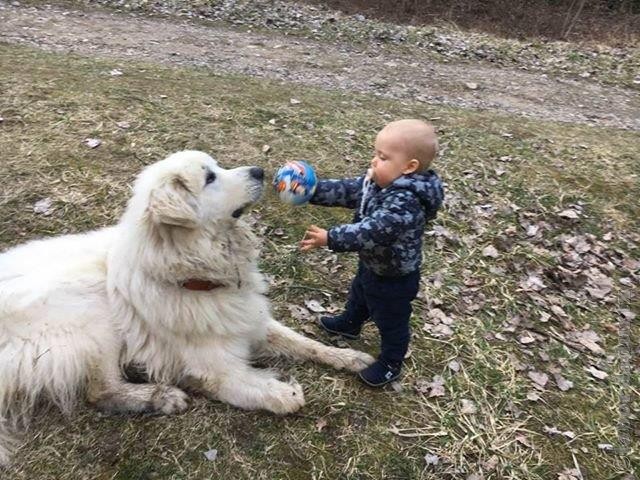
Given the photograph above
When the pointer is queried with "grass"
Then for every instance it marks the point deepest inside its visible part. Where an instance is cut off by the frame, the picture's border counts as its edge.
(503, 174)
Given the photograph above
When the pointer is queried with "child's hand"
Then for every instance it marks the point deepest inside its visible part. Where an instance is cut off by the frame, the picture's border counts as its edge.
(314, 237)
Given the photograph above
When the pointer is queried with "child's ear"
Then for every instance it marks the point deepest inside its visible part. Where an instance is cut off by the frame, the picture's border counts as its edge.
(411, 167)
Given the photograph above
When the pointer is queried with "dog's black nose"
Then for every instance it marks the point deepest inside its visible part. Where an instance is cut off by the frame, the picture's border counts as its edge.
(257, 173)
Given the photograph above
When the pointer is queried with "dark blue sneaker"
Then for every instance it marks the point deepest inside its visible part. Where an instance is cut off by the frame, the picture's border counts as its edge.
(336, 326)
(379, 374)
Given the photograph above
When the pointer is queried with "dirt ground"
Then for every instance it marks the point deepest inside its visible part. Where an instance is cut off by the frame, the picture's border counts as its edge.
(343, 66)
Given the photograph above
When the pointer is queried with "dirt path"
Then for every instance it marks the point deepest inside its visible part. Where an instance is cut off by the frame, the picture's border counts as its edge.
(330, 66)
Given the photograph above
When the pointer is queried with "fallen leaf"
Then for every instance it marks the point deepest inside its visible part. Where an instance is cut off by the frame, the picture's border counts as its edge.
(491, 464)
(298, 312)
(320, 424)
(438, 316)
(490, 251)
(562, 383)
(570, 474)
(554, 431)
(308, 329)
(588, 338)
(532, 230)
(597, 293)
(454, 366)
(558, 311)
(532, 283)
(533, 396)
(441, 330)
(396, 386)
(599, 374)
(526, 339)
(631, 264)
(524, 441)
(628, 314)
(539, 378)
(569, 213)
(315, 306)
(435, 388)
(468, 407)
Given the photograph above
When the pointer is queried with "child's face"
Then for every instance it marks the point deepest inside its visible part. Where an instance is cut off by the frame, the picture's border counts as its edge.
(391, 158)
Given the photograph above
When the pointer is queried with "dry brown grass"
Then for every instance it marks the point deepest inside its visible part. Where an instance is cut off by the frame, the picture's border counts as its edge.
(50, 104)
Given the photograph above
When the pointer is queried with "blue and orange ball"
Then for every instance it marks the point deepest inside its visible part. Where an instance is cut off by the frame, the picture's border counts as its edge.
(295, 182)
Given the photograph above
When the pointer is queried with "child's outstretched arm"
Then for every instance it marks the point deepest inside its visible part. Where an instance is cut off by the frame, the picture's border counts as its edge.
(338, 193)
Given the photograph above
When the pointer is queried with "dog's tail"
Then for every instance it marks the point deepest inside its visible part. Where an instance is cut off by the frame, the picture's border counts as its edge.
(31, 369)
(7, 443)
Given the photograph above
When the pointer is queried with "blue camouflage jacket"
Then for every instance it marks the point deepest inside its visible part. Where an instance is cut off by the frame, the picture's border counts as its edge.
(389, 222)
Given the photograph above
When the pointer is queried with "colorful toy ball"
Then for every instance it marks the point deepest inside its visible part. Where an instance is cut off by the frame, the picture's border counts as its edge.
(295, 182)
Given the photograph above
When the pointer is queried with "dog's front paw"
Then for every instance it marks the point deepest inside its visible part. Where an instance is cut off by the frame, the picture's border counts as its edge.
(354, 360)
(168, 400)
(283, 398)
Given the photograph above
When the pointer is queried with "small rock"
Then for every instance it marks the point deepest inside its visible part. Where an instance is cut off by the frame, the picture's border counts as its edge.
(44, 206)
(211, 455)
(93, 142)
(431, 459)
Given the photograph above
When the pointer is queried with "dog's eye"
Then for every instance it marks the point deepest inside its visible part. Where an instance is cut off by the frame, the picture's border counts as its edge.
(210, 178)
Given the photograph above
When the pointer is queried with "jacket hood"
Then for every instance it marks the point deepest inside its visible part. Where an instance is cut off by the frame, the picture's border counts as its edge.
(426, 186)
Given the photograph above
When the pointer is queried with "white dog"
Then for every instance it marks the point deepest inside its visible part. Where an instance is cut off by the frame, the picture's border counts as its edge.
(173, 288)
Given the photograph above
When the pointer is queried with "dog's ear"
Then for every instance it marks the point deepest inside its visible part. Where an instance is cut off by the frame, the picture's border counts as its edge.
(173, 204)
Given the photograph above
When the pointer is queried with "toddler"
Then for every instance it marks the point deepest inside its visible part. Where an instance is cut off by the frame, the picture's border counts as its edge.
(392, 203)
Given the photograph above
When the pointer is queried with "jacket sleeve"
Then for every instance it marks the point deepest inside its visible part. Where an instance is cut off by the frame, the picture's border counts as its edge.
(397, 213)
(338, 193)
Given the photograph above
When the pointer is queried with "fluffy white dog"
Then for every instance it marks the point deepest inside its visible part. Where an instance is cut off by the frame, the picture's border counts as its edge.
(173, 288)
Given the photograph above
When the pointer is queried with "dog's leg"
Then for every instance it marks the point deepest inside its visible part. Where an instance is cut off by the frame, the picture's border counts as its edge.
(227, 377)
(109, 392)
(282, 340)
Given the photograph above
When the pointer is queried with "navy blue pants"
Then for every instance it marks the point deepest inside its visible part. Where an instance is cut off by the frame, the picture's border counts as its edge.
(387, 302)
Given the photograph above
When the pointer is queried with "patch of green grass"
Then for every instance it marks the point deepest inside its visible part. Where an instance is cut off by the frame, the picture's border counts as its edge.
(503, 173)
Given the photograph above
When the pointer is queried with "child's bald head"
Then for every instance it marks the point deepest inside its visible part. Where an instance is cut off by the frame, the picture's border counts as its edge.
(418, 139)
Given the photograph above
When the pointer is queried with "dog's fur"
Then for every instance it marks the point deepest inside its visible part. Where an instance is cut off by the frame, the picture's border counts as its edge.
(76, 309)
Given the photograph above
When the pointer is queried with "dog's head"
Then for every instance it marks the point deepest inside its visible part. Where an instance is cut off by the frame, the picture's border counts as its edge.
(189, 188)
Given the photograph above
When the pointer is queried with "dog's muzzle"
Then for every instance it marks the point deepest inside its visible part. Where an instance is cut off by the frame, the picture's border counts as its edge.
(256, 177)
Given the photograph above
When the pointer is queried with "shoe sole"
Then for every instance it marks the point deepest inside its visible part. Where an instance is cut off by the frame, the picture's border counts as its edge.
(376, 385)
(348, 336)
